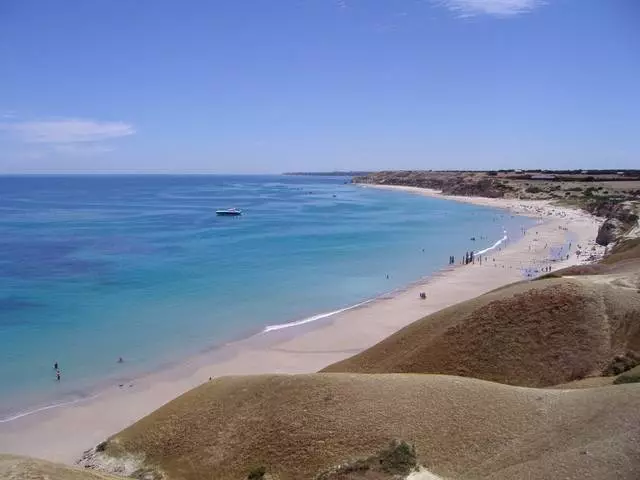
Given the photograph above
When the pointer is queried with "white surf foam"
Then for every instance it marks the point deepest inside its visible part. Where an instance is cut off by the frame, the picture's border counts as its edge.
(494, 246)
(46, 407)
(271, 328)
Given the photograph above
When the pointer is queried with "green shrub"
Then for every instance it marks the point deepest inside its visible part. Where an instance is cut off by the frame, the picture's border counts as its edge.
(400, 458)
(622, 363)
(631, 376)
(257, 473)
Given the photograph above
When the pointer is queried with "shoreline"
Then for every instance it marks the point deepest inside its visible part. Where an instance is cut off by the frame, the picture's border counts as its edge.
(309, 347)
(257, 335)
(19, 408)
(92, 392)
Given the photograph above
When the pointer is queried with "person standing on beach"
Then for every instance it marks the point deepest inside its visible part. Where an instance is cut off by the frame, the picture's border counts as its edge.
(57, 375)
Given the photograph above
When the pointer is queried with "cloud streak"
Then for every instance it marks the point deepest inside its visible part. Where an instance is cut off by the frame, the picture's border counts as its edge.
(67, 131)
(496, 8)
(66, 137)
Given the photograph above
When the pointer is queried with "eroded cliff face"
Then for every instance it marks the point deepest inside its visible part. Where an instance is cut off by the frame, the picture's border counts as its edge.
(621, 223)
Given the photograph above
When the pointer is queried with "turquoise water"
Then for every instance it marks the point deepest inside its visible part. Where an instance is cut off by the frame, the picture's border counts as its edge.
(93, 268)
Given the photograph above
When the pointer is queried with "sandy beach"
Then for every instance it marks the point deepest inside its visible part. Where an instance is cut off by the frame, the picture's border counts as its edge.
(63, 433)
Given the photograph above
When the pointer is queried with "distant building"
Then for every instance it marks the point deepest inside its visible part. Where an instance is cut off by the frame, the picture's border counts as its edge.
(620, 173)
(543, 176)
(518, 171)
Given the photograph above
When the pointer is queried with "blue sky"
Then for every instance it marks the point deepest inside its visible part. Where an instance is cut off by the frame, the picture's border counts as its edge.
(275, 85)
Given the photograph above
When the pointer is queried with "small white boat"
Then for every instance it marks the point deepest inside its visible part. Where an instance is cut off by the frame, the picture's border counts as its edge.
(229, 212)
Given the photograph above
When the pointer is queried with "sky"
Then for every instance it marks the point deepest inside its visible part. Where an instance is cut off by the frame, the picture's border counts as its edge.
(266, 86)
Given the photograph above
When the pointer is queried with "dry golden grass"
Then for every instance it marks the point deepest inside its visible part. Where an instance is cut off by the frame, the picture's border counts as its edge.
(577, 270)
(22, 468)
(299, 425)
(534, 334)
(625, 251)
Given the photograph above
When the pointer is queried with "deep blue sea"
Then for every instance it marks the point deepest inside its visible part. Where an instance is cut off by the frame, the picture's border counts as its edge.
(93, 268)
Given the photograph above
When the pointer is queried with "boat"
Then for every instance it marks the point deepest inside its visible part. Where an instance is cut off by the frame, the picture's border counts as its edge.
(229, 212)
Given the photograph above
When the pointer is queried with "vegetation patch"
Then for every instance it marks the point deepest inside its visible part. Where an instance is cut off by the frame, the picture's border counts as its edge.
(398, 460)
(622, 363)
(631, 376)
(257, 473)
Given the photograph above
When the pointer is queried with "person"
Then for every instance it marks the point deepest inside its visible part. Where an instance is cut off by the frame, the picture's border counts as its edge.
(120, 360)
(55, 366)
(57, 375)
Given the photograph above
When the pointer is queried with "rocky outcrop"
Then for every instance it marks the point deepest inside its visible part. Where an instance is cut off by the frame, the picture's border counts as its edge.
(610, 231)
(621, 222)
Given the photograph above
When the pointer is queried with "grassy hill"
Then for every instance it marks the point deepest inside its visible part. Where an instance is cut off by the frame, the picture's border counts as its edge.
(536, 334)
(382, 412)
(298, 426)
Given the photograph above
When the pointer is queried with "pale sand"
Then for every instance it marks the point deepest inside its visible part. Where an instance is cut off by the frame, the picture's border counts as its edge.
(62, 434)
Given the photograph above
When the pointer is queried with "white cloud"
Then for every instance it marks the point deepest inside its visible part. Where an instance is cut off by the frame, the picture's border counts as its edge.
(497, 8)
(67, 131)
(66, 137)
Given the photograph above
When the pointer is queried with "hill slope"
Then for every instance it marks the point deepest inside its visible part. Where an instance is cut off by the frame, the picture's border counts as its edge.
(536, 334)
(299, 425)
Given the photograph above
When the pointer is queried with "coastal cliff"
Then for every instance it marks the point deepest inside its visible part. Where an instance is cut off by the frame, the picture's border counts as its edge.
(621, 223)
(449, 183)
(615, 198)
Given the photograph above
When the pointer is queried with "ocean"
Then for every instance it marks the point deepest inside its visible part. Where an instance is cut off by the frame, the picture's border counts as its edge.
(94, 268)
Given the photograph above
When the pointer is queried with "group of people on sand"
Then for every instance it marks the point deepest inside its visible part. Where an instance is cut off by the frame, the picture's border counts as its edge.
(469, 257)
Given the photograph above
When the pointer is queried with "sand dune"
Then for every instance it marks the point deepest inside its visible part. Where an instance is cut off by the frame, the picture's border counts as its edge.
(23, 468)
(299, 425)
(536, 334)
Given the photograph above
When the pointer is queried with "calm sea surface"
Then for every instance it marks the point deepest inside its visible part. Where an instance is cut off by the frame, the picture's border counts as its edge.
(93, 268)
